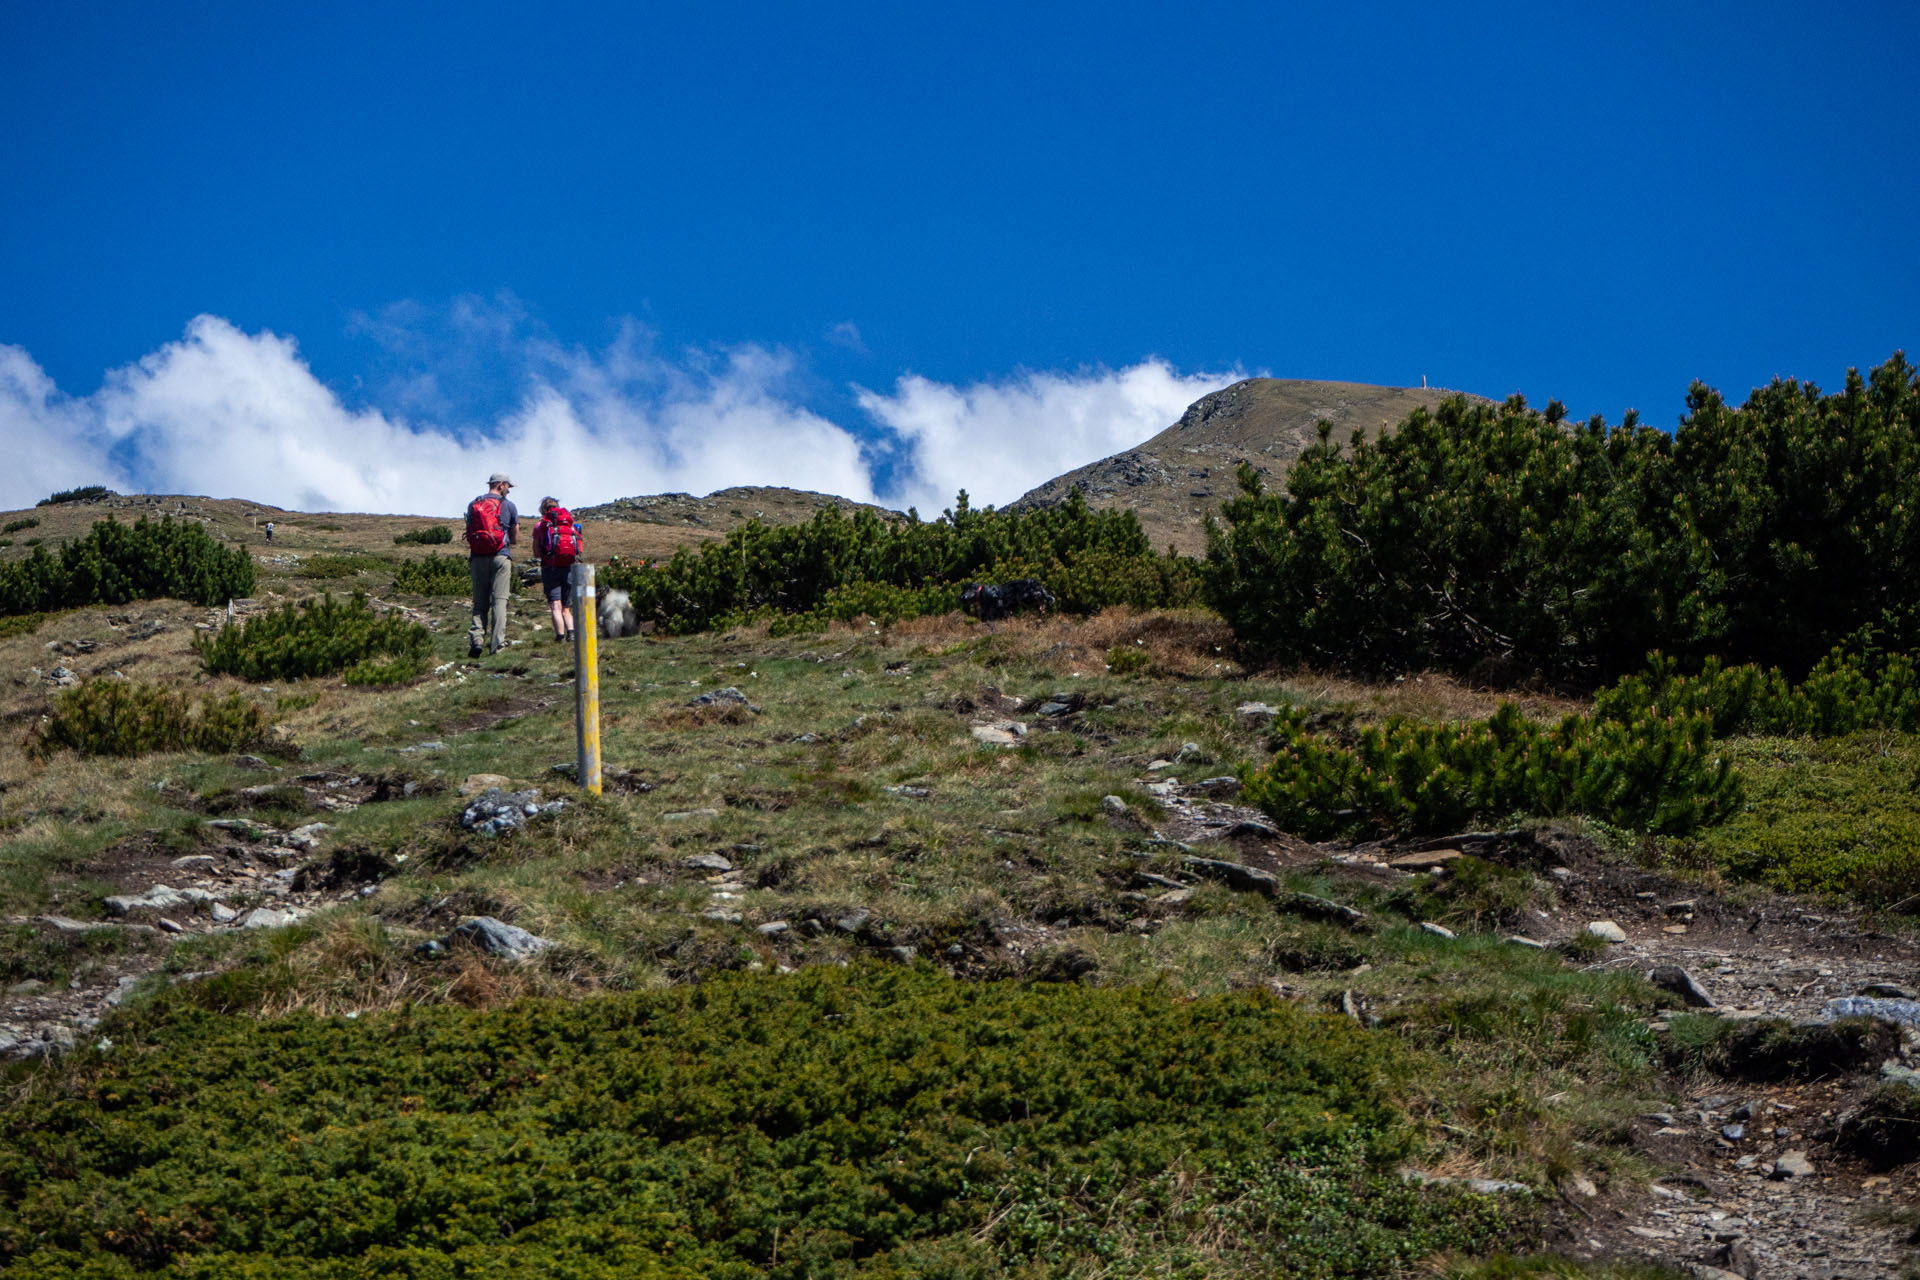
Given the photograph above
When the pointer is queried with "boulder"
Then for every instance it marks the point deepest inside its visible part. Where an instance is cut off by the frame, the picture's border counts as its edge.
(498, 938)
(1671, 977)
(497, 810)
(1607, 931)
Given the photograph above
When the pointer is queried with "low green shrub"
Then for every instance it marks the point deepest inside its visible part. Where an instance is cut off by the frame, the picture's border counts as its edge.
(859, 1123)
(341, 566)
(317, 638)
(1655, 773)
(1834, 816)
(117, 563)
(435, 535)
(15, 526)
(21, 624)
(838, 566)
(131, 718)
(435, 575)
(1844, 693)
(85, 493)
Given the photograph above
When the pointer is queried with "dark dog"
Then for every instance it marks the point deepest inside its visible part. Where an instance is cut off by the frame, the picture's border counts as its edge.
(990, 601)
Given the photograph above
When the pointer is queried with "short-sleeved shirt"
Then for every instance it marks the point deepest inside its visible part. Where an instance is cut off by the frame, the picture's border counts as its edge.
(509, 520)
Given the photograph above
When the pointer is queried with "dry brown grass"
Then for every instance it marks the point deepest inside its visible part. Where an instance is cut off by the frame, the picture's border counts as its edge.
(1427, 696)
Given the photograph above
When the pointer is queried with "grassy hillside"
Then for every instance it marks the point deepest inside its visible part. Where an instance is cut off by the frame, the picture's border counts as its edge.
(946, 949)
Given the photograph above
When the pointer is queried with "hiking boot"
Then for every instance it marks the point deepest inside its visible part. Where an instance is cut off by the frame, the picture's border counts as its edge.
(473, 651)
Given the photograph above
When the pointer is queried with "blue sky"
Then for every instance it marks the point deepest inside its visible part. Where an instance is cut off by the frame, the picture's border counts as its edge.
(326, 256)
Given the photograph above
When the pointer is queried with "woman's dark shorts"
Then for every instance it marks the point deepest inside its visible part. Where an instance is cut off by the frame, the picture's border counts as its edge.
(553, 580)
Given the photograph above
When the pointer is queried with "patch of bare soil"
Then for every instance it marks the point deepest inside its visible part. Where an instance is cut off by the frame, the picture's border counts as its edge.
(1756, 1184)
(230, 872)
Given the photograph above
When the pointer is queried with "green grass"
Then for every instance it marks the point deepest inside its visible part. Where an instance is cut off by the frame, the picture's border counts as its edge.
(1834, 816)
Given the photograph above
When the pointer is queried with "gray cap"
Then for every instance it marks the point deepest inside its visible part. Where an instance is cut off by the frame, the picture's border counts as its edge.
(499, 477)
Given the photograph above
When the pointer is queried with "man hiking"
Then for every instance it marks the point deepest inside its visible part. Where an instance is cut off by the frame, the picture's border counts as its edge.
(492, 527)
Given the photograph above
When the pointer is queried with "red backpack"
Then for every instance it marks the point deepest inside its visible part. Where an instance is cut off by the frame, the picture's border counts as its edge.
(485, 537)
(563, 538)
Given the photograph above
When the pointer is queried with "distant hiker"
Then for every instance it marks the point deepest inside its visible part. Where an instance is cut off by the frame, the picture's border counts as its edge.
(558, 543)
(492, 526)
(269, 531)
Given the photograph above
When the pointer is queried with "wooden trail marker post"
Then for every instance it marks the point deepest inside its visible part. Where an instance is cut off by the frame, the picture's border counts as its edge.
(586, 675)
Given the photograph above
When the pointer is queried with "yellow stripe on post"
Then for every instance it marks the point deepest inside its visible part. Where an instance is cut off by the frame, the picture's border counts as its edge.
(586, 675)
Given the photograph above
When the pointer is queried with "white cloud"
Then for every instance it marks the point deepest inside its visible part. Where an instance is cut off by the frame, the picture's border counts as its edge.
(232, 414)
(998, 440)
(227, 413)
(49, 441)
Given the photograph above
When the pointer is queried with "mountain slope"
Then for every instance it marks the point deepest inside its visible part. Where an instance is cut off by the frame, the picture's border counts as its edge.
(1173, 480)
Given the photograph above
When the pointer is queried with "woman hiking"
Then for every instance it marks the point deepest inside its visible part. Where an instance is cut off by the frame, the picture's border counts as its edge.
(557, 543)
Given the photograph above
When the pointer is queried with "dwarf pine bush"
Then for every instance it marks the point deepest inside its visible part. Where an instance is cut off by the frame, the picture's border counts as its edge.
(1844, 693)
(822, 570)
(131, 718)
(117, 563)
(436, 535)
(859, 1123)
(434, 575)
(1651, 773)
(319, 638)
(1765, 534)
(85, 493)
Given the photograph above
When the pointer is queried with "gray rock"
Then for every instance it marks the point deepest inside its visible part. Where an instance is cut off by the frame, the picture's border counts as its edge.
(1903, 1012)
(307, 838)
(1235, 876)
(1113, 806)
(252, 762)
(1054, 710)
(1529, 943)
(905, 955)
(1256, 711)
(62, 678)
(158, 898)
(1895, 1073)
(853, 921)
(722, 915)
(268, 918)
(496, 937)
(1189, 751)
(1887, 990)
(66, 924)
(772, 928)
(496, 810)
(1794, 1164)
(1671, 977)
(221, 912)
(1437, 930)
(1003, 733)
(727, 697)
(1607, 931)
(245, 829)
(1223, 787)
(1316, 908)
(681, 815)
(1734, 1132)
(708, 862)
(910, 793)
